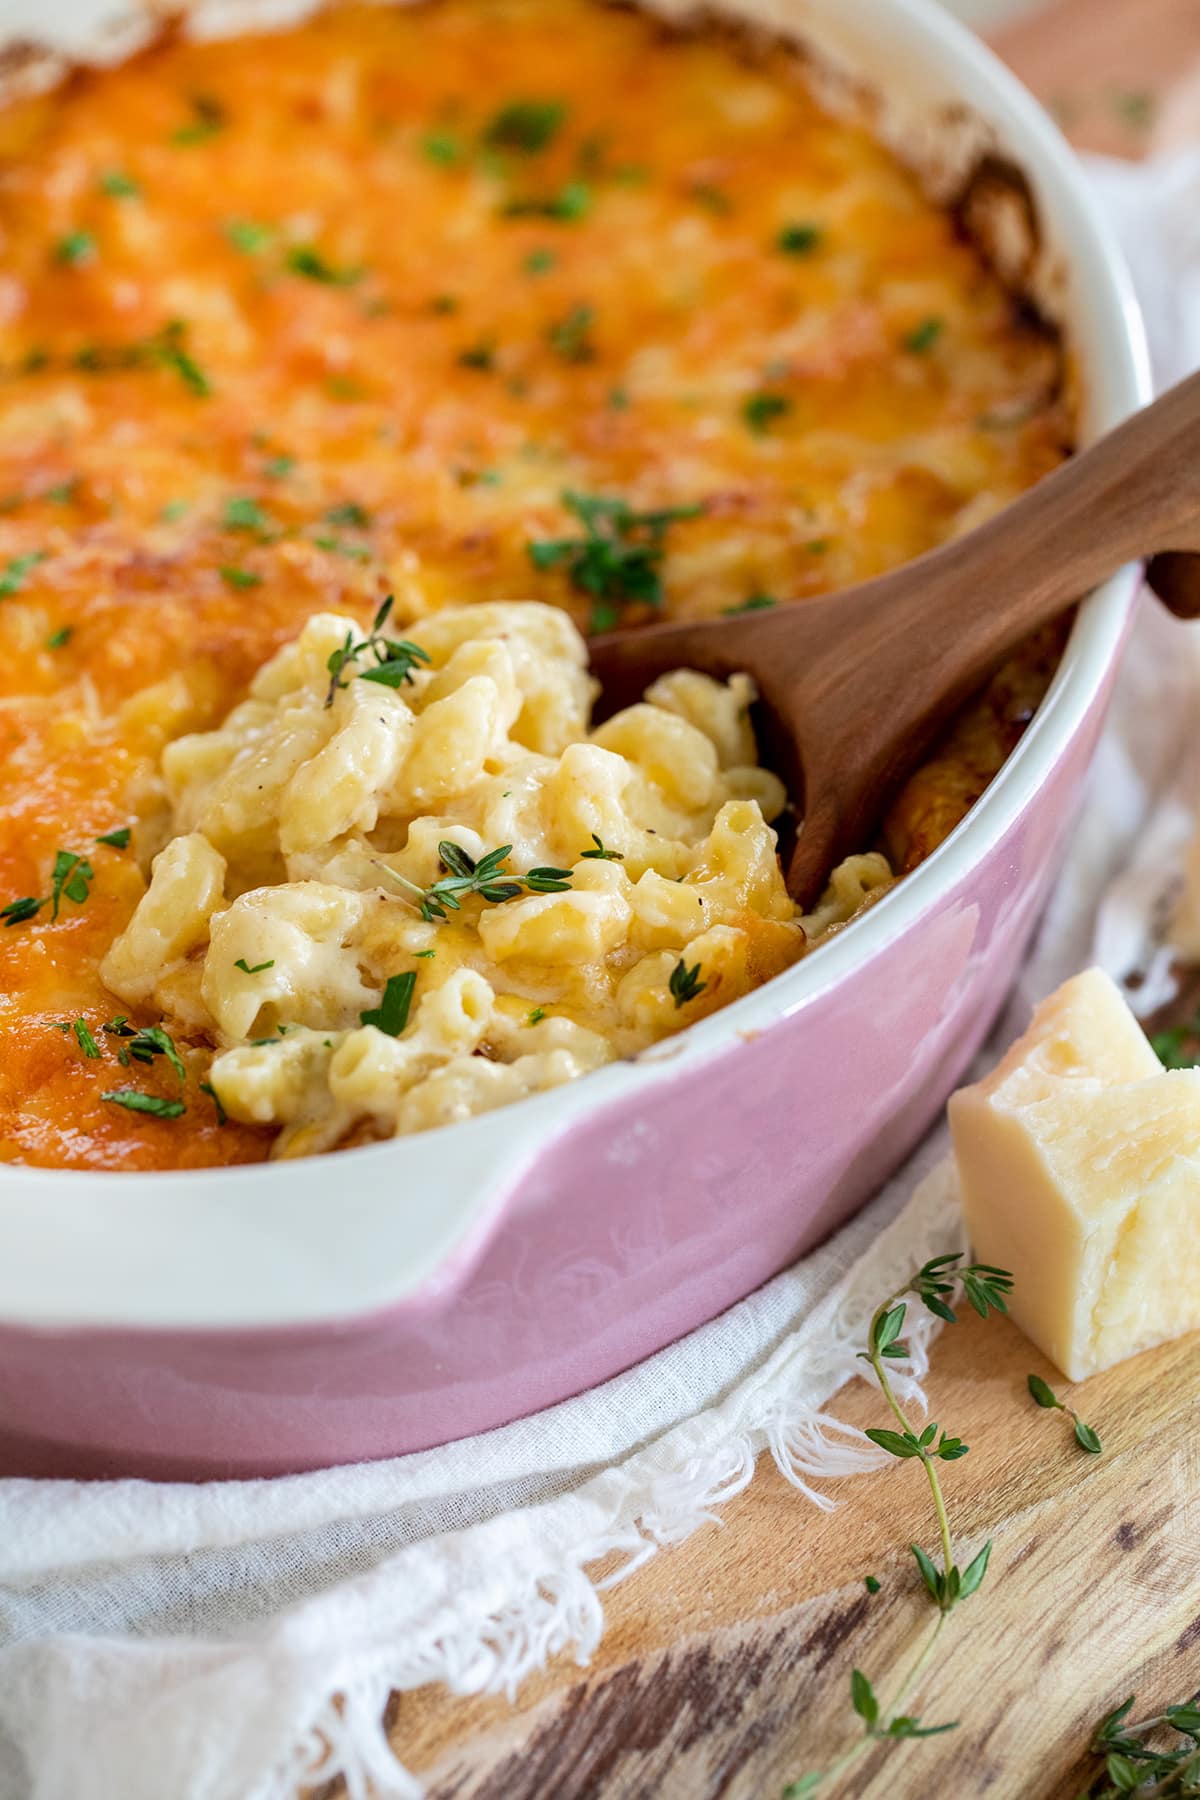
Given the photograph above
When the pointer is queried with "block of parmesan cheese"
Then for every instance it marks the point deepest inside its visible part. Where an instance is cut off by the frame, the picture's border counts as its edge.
(1079, 1160)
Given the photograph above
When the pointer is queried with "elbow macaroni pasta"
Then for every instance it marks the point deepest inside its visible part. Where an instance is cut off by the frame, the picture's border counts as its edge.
(308, 825)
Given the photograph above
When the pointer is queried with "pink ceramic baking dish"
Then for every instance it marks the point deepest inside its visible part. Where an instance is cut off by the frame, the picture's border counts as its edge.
(283, 1317)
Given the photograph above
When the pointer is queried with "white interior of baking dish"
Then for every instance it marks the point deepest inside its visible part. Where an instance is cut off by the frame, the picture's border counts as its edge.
(331, 1236)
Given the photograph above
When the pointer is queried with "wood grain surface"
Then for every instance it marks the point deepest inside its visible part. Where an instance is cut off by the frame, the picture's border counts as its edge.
(725, 1667)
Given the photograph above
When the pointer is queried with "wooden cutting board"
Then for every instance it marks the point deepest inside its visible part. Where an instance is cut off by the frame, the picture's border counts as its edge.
(725, 1667)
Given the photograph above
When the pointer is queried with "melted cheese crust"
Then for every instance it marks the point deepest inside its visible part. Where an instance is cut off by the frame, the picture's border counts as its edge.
(291, 322)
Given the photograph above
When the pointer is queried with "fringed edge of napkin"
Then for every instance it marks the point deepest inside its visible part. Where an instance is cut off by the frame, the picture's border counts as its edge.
(486, 1637)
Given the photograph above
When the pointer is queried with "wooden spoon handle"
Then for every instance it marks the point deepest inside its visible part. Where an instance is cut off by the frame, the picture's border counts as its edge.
(930, 634)
(1135, 493)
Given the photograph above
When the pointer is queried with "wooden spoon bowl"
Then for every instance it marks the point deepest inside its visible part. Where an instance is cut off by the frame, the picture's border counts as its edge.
(856, 686)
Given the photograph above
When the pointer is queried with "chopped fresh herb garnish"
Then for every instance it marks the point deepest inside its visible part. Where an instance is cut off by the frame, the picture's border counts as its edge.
(571, 336)
(208, 117)
(206, 1087)
(424, 953)
(85, 1040)
(600, 853)
(71, 876)
(133, 1100)
(258, 968)
(19, 912)
(248, 235)
(277, 467)
(173, 511)
(442, 148)
(395, 658)
(760, 411)
(245, 514)
(12, 576)
(119, 186)
(872, 1584)
(391, 1015)
(536, 1016)
(152, 1041)
(443, 304)
(120, 1027)
(337, 546)
(238, 578)
(618, 398)
(304, 259)
(76, 248)
(478, 356)
(924, 336)
(570, 203)
(526, 125)
(490, 878)
(714, 198)
(60, 638)
(538, 262)
(620, 556)
(798, 240)
(685, 984)
(754, 603)
(118, 840)
(349, 512)
(63, 492)
(167, 349)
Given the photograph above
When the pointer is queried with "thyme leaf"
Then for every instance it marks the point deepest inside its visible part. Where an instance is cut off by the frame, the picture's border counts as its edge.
(391, 1015)
(527, 126)
(685, 985)
(133, 1100)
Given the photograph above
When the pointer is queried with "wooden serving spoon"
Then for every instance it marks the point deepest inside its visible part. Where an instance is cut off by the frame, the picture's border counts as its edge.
(855, 686)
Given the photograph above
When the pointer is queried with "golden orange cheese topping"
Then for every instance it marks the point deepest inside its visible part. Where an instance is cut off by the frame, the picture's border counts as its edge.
(381, 304)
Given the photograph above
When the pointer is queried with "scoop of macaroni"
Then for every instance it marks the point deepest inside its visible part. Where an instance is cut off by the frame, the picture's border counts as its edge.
(408, 882)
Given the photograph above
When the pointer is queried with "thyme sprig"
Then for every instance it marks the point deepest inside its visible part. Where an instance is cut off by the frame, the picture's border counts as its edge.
(1131, 1768)
(1043, 1395)
(395, 658)
(489, 877)
(985, 1288)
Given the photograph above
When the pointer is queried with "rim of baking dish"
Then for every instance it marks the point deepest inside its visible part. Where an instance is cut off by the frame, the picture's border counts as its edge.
(332, 1237)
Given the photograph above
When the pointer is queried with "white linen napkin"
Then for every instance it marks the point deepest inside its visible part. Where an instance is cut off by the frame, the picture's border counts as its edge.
(188, 1641)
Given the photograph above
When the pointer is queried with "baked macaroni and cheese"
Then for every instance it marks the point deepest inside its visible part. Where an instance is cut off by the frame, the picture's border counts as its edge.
(349, 375)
